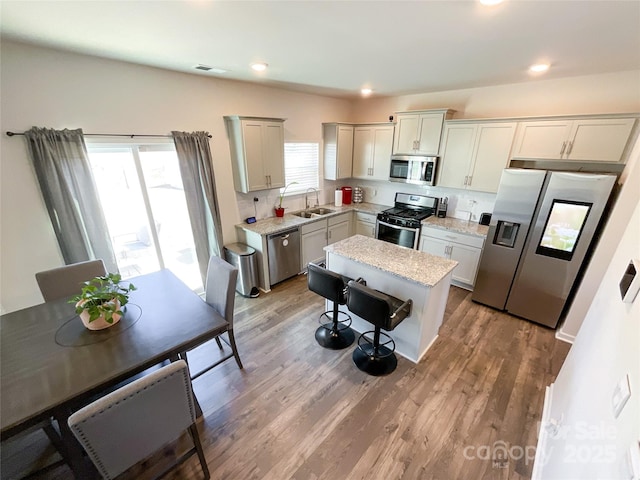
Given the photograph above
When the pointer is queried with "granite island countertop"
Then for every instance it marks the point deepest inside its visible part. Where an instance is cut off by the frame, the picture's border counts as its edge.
(457, 225)
(407, 263)
(268, 226)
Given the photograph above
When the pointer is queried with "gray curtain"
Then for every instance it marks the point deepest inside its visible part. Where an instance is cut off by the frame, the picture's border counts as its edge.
(194, 156)
(62, 167)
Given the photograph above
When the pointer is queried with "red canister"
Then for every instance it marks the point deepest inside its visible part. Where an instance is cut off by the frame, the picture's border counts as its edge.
(346, 195)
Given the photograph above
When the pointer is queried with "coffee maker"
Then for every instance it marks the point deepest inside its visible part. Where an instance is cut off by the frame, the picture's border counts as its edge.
(441, 212)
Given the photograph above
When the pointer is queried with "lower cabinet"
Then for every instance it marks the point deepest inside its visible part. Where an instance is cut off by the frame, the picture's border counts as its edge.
(339, 228)
(313, 239)
(464, 249)
(317, 235)
(365, 224)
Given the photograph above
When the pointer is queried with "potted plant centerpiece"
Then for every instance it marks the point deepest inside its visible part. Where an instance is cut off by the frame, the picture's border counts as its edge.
(101, 300)
(279, 209)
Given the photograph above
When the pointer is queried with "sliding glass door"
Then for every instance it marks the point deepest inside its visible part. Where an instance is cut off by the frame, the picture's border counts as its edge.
(141, 192)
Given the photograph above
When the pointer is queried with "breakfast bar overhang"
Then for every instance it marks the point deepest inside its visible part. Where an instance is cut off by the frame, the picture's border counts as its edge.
(403, 273)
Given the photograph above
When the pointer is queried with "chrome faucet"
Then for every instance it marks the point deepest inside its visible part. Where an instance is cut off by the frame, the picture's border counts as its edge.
(306, 198)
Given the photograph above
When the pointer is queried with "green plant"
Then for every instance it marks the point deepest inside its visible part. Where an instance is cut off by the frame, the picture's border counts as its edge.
(103, 296)
(283, 192)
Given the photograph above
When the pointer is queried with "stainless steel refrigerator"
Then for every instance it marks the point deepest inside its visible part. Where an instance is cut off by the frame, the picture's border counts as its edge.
(542, 228)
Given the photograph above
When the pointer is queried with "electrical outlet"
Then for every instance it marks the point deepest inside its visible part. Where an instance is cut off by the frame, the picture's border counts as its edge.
(621, 394)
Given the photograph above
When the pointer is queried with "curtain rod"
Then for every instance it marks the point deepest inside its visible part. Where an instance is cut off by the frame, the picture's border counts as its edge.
(130, 135)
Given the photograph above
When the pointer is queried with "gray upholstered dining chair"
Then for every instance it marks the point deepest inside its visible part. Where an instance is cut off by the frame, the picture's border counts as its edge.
(66, 281)
(54, 284)
(128, 425)
(220, 293)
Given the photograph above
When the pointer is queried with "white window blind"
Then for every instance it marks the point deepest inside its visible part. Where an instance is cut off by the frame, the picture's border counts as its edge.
(301, 162)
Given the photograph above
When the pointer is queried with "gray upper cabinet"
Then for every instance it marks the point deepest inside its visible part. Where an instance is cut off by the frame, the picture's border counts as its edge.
(338, 150)
(257, 152)
(419, 132)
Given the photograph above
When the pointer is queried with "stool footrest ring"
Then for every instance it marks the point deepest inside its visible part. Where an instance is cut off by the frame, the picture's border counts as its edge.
(367, 347)
(326, 320)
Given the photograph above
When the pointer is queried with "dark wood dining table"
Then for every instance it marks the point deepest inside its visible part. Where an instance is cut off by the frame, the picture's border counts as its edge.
(51, 365)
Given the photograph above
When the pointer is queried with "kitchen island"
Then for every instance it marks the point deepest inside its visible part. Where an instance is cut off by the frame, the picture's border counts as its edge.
(403, 273)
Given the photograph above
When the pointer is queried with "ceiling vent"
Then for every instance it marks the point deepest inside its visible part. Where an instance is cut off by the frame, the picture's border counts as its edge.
(207, 68)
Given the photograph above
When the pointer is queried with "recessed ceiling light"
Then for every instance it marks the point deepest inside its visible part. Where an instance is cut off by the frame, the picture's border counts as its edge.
(489, 3)
(539, 67)
(366, 91)
(259, 67)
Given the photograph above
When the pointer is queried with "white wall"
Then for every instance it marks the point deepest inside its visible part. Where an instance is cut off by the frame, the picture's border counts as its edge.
(591, 443)
(605, 93)
(48, 88)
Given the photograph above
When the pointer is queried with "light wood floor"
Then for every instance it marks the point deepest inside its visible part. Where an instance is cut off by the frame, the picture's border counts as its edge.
(298, 411)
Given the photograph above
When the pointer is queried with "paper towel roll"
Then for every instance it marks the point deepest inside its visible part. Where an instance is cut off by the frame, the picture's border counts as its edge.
(338, 198)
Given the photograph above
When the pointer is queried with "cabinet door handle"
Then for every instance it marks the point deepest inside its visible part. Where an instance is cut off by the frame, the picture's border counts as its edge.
(470, 178)
(564, 145)
(466, 177)
(569, 148)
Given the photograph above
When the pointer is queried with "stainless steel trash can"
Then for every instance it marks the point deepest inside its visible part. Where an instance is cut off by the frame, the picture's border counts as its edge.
(244, 258)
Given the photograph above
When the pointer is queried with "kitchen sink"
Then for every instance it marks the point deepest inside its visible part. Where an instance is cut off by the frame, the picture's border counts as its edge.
(313, 212)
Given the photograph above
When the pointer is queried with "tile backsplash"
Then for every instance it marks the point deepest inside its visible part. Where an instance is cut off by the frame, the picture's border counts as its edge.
(463, 204)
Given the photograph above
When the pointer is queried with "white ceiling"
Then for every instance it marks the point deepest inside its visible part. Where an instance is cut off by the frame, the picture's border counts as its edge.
(337, 47)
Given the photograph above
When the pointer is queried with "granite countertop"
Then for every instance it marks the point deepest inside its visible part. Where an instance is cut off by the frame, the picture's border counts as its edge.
(456, 225)
(268, 226)
(407, 263)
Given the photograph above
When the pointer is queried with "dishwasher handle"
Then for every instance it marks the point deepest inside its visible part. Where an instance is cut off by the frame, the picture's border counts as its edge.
(284, 234)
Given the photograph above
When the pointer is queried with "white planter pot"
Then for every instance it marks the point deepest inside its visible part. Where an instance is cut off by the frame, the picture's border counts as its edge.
(99, 323)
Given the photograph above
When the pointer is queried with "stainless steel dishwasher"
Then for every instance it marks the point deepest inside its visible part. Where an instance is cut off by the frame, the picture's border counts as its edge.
(284, 255)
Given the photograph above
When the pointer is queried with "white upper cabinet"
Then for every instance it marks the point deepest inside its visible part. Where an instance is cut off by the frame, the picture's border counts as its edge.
(257, 152)
(372, 145)
(419, 132)
(338, 150)
(584, 139)
(474, 154)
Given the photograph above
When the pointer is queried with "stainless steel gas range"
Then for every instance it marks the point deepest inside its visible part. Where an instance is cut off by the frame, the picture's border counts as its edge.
(401, 224)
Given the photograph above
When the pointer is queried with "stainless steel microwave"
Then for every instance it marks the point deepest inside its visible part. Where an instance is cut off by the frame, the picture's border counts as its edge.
(413, 169)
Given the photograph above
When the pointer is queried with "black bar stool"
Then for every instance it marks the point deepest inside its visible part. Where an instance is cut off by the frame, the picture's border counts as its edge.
(384, 312)
(335, 334)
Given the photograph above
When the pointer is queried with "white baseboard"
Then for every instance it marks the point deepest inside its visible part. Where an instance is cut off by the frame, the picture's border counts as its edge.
(565, 337)
(539, 460)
